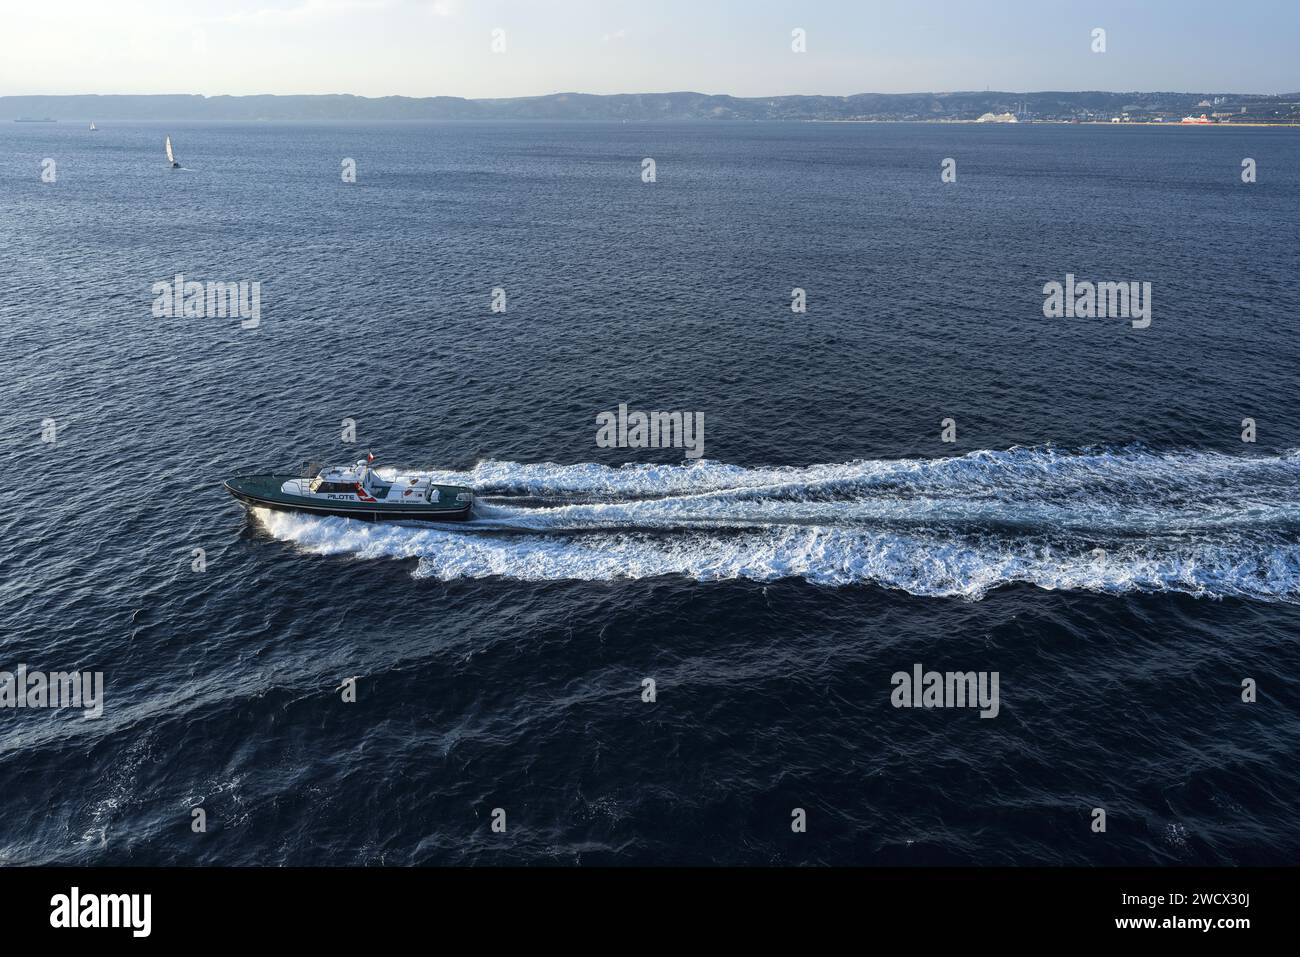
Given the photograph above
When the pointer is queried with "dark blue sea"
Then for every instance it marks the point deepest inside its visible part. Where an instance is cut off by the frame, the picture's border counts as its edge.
(1098, 534)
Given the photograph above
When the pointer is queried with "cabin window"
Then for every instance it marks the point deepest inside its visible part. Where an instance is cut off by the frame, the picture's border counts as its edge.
(332, 488)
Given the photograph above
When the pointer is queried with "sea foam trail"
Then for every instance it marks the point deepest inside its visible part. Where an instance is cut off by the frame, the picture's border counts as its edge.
(1108, 521)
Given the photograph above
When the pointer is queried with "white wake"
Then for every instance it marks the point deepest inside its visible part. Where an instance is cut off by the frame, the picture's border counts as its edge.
(1109, 521)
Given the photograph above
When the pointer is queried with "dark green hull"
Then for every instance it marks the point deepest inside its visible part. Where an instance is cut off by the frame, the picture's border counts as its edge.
(264, 491)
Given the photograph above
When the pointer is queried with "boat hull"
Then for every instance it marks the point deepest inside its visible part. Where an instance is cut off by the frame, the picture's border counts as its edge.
(263, 491)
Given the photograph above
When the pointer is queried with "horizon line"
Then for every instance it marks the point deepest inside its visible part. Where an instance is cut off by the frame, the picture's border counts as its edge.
(773, 96)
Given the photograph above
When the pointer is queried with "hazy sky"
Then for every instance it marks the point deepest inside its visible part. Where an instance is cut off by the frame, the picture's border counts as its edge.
(443, 47)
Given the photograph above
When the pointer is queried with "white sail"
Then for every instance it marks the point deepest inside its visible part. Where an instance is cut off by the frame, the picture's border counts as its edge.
(170, 158)
(92, 126)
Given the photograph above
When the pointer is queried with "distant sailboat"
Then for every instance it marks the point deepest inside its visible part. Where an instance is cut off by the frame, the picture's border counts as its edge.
(92, 126)
(171, 157)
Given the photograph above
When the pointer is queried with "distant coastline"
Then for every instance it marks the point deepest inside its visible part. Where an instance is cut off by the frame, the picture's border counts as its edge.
(1037, 122)
(1083, 107)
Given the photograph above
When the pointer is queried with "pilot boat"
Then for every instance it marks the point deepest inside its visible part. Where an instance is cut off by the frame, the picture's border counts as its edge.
(356, 491)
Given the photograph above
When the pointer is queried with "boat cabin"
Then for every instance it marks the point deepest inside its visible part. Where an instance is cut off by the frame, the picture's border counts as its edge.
(361, 483)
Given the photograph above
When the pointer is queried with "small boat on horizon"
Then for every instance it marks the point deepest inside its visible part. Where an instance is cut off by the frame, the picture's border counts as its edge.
(92, 127)
(171, 157)
(356, 491)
